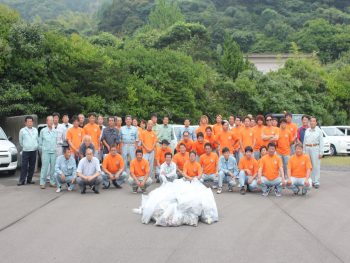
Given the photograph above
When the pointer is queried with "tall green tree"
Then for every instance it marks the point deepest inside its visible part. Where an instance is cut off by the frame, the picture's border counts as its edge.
(165, 14)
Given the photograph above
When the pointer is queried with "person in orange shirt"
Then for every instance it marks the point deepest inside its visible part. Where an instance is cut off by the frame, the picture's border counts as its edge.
(283, 144)
(198, 146)
(226, 138)
(293, 128)
(210, 164)
(180, 159)
(248, 167)
(236, 131)
(203, 124)
(113, 169)
(148, 141)
(209, 136)
(94, 131)
(270, 173)
(160, 156)
(217, 127)
(185, 140)
(75, 137)
(247, 137)
(139, 173)
(274, 122)
(269, 133)
(257, 135)
(192, 169)
(299, 170)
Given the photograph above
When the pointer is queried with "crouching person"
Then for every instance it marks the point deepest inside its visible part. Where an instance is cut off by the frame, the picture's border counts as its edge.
(227, 170)
(113, 169)
(299, 169)
(192, 168)
(139, 173)
(65, 170)
(89, 172)
(168, 169)
(248, 167)
(209, 162)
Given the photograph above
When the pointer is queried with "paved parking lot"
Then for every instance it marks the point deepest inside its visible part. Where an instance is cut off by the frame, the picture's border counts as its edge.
(42, 226)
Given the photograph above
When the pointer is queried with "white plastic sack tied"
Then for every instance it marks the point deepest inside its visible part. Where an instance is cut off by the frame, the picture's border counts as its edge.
(179, 203)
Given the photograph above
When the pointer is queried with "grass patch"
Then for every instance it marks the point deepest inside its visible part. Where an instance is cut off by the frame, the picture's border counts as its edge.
(336, 161)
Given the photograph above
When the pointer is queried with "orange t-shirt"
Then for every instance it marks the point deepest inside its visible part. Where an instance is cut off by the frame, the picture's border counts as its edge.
(75, 135)
(199, 147)
(270, 166)
(192, 169)
(269, 131)
(226, 139)
(293, 128)
(299, 165)
(94, 131)
(247, 137)
(148, 139)
(251, 164)
(201, 129)
(209, 163)
(236, 131)
(139, 168)
(180, 159)
(188, 145)
(283, 143)
(160, 155)
(212, 141)
(257, 135)
(217, 128)
(113, 163)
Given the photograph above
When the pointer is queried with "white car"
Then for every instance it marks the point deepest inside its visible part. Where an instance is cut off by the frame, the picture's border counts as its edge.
(326, 146)
(8, 154)
(339, 143)
(344, 129)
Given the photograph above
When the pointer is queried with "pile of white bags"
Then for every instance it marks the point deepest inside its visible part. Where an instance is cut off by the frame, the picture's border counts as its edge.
(179, 203)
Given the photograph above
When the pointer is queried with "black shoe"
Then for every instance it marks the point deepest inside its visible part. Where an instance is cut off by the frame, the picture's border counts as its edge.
(95, 191)
(116, 184)
(158, 181)
(106, 186)
(83, 191)
(316, 186)
(20, 183)
(242, 191)
(30, 182)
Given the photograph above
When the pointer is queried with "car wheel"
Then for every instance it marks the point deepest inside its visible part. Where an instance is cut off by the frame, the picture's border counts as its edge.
(333, 151)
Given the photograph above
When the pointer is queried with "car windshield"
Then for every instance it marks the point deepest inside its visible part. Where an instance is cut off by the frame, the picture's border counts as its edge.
(333, 132)
(2, 135)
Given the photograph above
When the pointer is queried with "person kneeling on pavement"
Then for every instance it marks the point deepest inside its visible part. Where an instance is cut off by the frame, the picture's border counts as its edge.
(299, 170)
(168, 169)
(113, 169)
(227, 170)
(65, 170)
(89, 172)
(248, 167)
(139, 173)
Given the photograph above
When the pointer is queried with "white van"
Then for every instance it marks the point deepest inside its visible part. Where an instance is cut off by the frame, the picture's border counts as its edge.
(8, 154)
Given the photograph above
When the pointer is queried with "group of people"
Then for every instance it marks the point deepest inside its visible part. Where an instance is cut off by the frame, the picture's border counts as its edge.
(255, 153)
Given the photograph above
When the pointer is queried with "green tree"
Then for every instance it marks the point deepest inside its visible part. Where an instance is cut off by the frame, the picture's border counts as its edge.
(165, 14)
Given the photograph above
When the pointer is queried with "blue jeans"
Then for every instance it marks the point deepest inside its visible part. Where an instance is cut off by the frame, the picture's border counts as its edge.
(210, 178)
(265, 183)
(243, 180)
(128, 150)
(68, 180)
(299, 182)
(285, 159)
(226, 178)
(120, 180)
(150, 158)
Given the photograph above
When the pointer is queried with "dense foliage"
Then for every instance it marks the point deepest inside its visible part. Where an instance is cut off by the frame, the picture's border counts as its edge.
(174, 64)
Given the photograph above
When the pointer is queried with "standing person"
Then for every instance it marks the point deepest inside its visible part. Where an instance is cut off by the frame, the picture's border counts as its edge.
(139, 173)
(258, 129)
(100, 121)
(165, 131)
(270, 173)
(248, 167)
(252, 123)
(47, 147)
(89, 173)
(129, 140)
(313, 146)
(284, 142)
(210, 164)
(160, 156)
(148, 141)
(186, 128)
(228, 170)
(236, 132)
(66, 125)
(154, 119)
(299, 169)
(81, 118)
(226, 138)
(135, 123)
(269, 133)
(143, 124)
(209, 136)
(65, 170)
(29, 141)
(60, 133)
(187, 141)
(94, 131)
(217, 127)
(110, 136)
(247, 137)
(168, 169)
(231, 121)
(192, 169)
(274, 122)
(301, 131)
(198, 146)
(203, 124)
(113, 169)
(75, 137)
(180, 159)
(293, 129)
(118, 123)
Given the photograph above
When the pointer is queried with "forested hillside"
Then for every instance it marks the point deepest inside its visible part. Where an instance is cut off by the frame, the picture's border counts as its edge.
(181, 58)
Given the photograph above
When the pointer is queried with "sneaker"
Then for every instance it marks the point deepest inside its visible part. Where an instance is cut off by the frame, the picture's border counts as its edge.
(303, 192)
(267, 192)
(278, 194)
(144, 191)
(42, 186)
(219, 191)
(297, 192)
(230, 189)
(242, 191)
(107, 186)
(70, 188)
(58, 190)
(317, 186)
(134, 190)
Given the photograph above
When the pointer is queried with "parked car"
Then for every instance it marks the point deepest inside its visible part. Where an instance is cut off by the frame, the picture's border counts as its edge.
(339, 143)
(8, 154)
(344, 129)
(326, 146)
